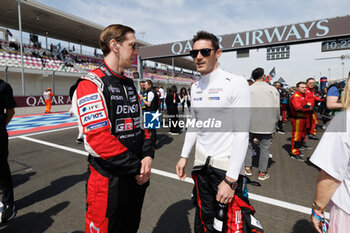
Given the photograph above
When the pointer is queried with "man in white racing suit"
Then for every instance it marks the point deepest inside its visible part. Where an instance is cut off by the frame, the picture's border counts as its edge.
(219, 155)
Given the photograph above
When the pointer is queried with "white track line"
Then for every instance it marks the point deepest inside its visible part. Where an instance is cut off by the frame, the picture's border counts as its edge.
(43, 132)
(252, 196)
(54, 145)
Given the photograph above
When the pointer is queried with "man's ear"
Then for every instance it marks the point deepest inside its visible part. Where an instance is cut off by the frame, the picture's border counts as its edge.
(113, 45)
(218, 53)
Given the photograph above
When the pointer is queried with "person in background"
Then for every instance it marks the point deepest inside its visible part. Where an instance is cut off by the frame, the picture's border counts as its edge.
(332, 156)
(299, 108)
(250, 81)
(161, 98)
(333, 100)
(80, 138)
(311, 97)
(171, 101)
(283, 107)
(48, 99)
(265, 101)
(322, 107)
(7, 111)
(185, 100)
(150, 101)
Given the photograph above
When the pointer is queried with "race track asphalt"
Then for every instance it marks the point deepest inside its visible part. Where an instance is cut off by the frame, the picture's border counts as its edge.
(49, 171)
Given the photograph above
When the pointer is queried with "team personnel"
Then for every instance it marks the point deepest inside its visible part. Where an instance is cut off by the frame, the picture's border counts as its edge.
(300, 109)
(150, 101)
(311, 97)
(120, 154)
(283, 103)
(161, 98)
(334, 95)
(7, 110)
(219, 156)
(48, 99)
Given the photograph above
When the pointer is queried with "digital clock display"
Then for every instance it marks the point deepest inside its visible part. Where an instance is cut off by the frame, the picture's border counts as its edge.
(333, 45)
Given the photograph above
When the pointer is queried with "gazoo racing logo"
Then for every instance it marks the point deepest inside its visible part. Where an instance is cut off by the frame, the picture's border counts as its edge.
(88, 98)
(124, 124)
(93, 117)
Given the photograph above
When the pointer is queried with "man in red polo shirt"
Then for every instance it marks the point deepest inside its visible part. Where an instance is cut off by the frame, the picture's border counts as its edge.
(311, 97)
(300, 109)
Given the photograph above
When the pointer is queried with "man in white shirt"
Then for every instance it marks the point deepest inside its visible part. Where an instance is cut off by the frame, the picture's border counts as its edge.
(265, 102)
(220, 155)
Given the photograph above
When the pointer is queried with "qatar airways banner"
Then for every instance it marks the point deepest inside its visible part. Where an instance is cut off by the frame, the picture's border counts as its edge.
(33, 101)
(316, 30)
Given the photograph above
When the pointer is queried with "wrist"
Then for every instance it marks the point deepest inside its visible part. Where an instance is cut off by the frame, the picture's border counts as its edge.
(317, 207)
(233, 185)
(230, 179)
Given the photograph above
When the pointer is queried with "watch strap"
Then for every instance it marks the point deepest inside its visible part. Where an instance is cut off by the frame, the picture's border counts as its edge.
(233, 185)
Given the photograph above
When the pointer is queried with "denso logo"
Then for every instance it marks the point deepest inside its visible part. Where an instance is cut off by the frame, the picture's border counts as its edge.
(93, 117)
(88, 98)
(125, 109)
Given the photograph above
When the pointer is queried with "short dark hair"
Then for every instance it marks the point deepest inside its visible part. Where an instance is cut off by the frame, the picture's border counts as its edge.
(203, 35)
(113, 31)
(299, 83)
(149, 82)
(307, 80)
(257, 73)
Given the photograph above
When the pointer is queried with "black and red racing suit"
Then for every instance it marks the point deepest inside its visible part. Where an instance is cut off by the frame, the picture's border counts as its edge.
(109, 111)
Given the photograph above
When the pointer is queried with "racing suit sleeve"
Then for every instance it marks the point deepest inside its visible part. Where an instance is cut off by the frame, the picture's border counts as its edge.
(147, 149)
(299, 106)
(190, 140)
(241, 105)
(91, 110)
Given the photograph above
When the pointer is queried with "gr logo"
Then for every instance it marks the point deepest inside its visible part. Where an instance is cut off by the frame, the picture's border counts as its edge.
(124, 124)
(151, 120)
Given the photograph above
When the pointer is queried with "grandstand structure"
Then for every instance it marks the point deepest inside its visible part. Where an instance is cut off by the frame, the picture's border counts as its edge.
(60, 68)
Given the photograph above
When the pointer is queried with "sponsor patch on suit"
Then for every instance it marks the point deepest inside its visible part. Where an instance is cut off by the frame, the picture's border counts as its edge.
(96, 125)
(95, 116)
(90, 108)
(88, 99)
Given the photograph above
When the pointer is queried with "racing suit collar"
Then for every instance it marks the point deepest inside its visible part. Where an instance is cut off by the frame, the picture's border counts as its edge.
(110, 70)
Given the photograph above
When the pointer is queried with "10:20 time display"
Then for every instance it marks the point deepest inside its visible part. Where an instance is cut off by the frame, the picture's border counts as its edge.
(336, 45)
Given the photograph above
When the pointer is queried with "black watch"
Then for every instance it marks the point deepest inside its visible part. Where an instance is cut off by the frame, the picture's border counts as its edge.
(233, 185)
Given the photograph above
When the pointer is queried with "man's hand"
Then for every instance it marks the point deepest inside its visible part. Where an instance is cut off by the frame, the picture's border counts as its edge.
(225, 193)
(180, 168)
(145, 171)
(317, 223)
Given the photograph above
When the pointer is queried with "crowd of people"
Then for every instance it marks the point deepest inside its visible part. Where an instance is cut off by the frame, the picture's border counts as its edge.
(121, 150)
